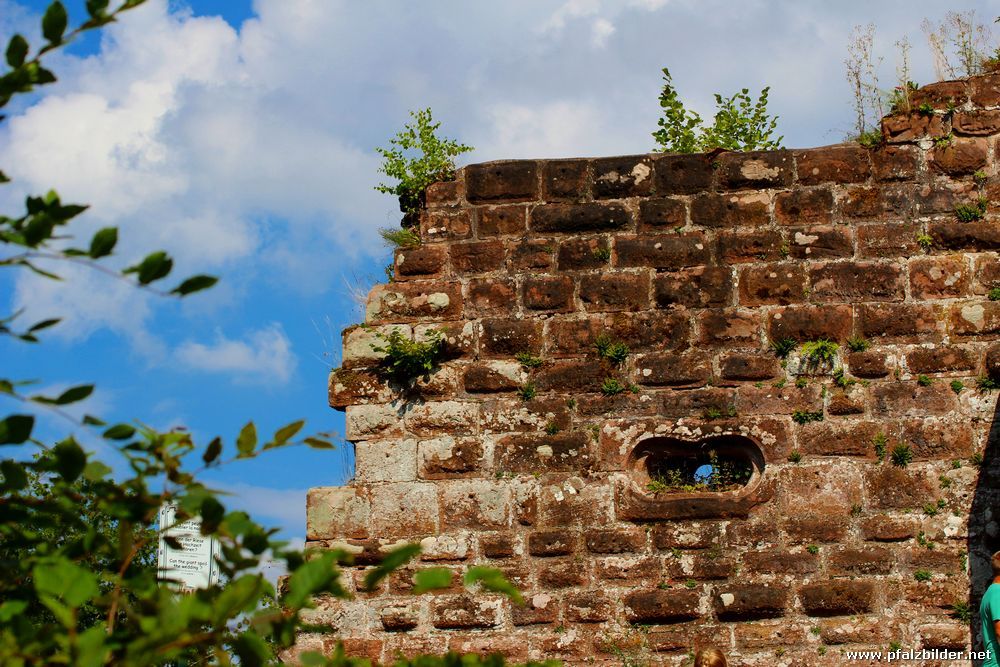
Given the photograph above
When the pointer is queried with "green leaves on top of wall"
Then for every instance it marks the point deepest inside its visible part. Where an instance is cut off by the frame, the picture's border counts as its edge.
(739, 124)
(417, 157)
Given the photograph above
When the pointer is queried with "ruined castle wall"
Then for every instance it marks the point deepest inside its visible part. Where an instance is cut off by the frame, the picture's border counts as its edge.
(697, 263)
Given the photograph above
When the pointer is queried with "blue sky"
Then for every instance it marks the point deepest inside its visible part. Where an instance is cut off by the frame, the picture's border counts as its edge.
(240, 136)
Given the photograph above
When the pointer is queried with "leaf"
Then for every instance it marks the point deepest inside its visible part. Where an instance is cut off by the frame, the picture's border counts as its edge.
(95, 471)
(311, 577)
(70, 459)
(14, 477)
(54, 22)
(319, 443)
(120, 432)
(286, 433)
(17, 50)
(212, 451)
(212, 513)
(15, 429)
(91, 420)
(173, 542)
(246, 442)
(433, 578)
(97, 8)
(392, 562)
(71, 395)
(103, 242)
(493, 580)
(44, 324)
(64, 580)
(11, 608)
(155, 266)
(194, 284)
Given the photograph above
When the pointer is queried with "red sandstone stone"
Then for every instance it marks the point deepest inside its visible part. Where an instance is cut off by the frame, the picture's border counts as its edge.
(543, 452)
(550, 294)
(531, 254)
(755, 169)
(744, 602)
(882, 202)
(617, 177)
(903, 128)
(506, 338)
(820, 242)
(699, 287)
(894, 163)
(659, 606)
(445, 225)
(838, 598)
(849, 282)
(839, 438)
(588, 607)
(675, 251)
(511, 180)
(804, 323)
(477, 257)
(942, 95)
(662, 214)
(959, 157)
(615, 541)
(582, 254)
(667, 369)
(749, 367)
(501, 220)
(888, 240)
(804, 207)
(565, 180)
(730, 210)
(868, 364)
(941, 360)
(562, 573)
(615, 292)
(682, 174)
(778, 284)
(576, 218)
(464, 612)
(425, 261)
(890, 487)
(729, 327)
(986, 90)
(489, 296)
(846, 163)
(901, 323)
(750, 246)
(976, 123)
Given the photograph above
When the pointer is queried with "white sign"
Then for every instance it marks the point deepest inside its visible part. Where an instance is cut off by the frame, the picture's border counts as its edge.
(193, 565)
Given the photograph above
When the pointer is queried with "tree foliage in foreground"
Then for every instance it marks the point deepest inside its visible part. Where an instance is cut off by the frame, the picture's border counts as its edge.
(740, 124)
(76, 541)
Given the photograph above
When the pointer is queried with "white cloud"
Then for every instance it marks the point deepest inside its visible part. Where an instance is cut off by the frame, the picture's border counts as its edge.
(264, 355)
(286, 507)
(601, 30)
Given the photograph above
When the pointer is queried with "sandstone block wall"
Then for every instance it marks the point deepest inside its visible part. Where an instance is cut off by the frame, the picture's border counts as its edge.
(697, 263)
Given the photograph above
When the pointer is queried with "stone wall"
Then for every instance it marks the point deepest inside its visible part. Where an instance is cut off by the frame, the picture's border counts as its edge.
(697, 263)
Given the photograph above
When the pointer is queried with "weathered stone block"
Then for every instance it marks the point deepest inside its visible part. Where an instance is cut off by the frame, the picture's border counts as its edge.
(749, 367)
(474, 504)
(425, 261)
(682, 174)
(804, 207)
(617, 177)
(489, 297)
(731, 210)
(729, 327)
(901, 323)
(507, 338)
(403, 509)
(477, 256)
(589, 607)
(549, 294)
(583, 254)
(778, 284)
(565, 180)
(821, 243)
(700, 287)
(804, 323)
(386, 460)
(615, 541)
(512, 180)
(531, 254)
(846, 163)
(615, 292)
(744, 602)
(894, 163)
(939, 277)
(959, 157)
(463, 612)
(675, 251)
(337, 512)
(542, 452)
(755, 169)
(579, 218)
(672, 370)
(659, 606)
(447, 457)
(856, 281)
(662, 214)
(838, 598)
(750, 246)
(501, 220)
(404, 302)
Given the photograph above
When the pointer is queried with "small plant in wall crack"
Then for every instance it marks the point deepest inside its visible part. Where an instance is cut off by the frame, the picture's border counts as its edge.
(527, 391)
(612, 387)
(971, 212)
(820, 352)
(857, 344)
(528, 360)
(408, 359)
(782, 347)
(925, 241)
(804, 417)
(399, 238)
(614, 351)
(902, 455)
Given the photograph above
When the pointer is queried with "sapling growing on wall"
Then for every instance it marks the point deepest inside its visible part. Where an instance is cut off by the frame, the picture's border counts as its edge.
(740, 124)
(417, 157)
